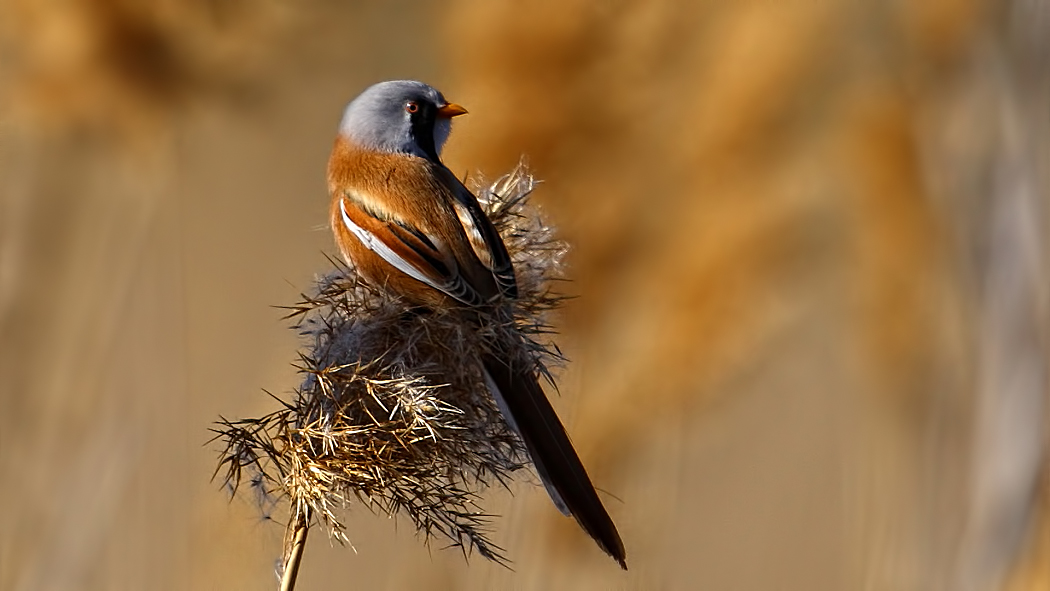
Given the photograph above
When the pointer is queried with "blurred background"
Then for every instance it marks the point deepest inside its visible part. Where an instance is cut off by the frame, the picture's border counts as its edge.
(809, 347)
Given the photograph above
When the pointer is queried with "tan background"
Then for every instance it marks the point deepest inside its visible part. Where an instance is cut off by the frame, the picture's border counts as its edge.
(810, 344)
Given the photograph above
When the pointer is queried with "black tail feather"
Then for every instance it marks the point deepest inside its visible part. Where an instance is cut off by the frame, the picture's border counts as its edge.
(530, 413)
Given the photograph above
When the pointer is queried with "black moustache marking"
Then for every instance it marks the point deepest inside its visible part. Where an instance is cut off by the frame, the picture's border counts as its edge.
(423, 129)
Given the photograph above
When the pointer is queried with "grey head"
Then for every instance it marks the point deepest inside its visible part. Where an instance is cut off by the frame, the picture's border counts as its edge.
(400, 116)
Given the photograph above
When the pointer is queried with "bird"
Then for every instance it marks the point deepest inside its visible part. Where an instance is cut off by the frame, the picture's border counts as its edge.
(409, 226)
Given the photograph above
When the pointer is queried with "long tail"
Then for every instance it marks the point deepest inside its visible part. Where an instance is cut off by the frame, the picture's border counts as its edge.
(526, 408)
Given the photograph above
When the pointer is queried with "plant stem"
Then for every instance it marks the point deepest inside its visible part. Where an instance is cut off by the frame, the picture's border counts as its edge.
(295, 553)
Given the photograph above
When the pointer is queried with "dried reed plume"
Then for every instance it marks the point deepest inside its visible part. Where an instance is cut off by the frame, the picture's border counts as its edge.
(393, 409)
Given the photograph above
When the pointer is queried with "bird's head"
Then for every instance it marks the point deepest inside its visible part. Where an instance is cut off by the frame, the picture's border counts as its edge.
(400, 116)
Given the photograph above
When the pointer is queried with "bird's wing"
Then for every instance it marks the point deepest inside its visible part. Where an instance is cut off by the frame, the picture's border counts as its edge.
(483, 237)
(409, 249)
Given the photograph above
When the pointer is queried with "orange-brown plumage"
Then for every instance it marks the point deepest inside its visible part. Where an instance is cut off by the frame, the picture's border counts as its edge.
(379, 190)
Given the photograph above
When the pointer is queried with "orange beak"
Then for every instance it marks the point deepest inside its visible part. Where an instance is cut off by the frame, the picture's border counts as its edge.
(451, 110)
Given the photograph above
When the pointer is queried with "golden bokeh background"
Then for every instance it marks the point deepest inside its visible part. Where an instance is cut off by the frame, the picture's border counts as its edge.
(810, 249)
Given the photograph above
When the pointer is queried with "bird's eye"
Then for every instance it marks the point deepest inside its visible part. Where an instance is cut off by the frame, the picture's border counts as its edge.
(412, 107)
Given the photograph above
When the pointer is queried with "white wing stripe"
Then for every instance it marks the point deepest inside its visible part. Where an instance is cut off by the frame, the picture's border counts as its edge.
(474, 236)
(377, 246)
